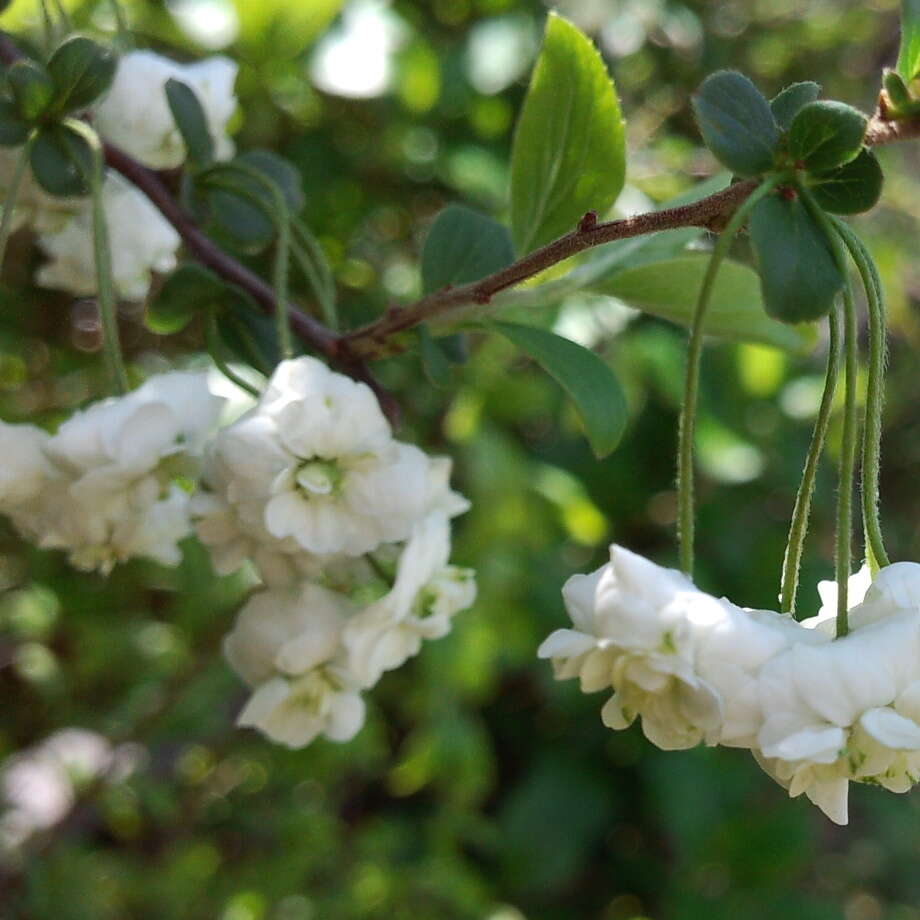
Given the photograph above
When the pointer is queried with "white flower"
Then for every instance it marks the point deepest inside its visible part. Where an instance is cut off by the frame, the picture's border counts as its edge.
(685, 661)
(849, 709)
(314, 465)
(25, 471)
(135, 114)
(425, 596)
(141, 242)
(286, 645)
(104, 487)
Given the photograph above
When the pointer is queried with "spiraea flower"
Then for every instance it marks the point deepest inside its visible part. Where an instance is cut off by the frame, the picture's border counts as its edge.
(287, 646)
(683, 660)
(849, 709)
(426, 594)
(135, 115)
(143, 242)
(315, 467)
(108, 485)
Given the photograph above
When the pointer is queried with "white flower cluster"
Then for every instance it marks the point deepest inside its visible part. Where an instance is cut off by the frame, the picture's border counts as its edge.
(815, 711)
(134, 115)
(348, 528)
(350, 531)
(113, 482)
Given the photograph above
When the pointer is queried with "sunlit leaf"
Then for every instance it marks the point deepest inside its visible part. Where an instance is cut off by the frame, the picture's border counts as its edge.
(568, 155)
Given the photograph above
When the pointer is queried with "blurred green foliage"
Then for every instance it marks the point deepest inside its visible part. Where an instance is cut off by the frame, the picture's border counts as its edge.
(480, 788)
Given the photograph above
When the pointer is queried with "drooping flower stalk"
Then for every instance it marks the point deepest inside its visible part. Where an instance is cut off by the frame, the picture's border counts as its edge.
(108, 308)
(875, 393)
(312, 261)
(685, 522)
(212, 338)
(798, 529)
(12, 193)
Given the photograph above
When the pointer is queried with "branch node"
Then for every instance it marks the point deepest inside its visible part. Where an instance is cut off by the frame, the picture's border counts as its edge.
(588, 222)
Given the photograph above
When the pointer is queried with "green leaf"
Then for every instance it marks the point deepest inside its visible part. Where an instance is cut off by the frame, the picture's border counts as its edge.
(568, 154)
(899, 103)
(736, 123)
(281, 171)
(786, 104)
(189, 290)
(191, 122)
(436, 364)
(13, 130)
(591, 384)
(852, 188)
(798, 275)
(909, 53)
(247, 332)
(82, 70)
(463, 246)
(825, 135)
(242, 207)
(669, 289)
(32, 88)
(61, 161)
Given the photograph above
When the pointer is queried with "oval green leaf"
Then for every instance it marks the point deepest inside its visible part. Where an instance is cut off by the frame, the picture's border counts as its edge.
(189, 290)
(32, 88)
(824, 135)
(589, 382)
(61, 161)
(13, 129)
(736, 123)
(798, 275)
(852, 188)
(669, 289)
(463, 246)
(191, 122)
(785, 105)
(82, 70)
(568, 154)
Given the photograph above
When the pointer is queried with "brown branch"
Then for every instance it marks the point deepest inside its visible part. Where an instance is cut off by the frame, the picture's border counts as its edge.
(352, 350)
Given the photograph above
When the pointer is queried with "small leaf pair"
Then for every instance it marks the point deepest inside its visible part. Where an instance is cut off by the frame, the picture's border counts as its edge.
(821, 140)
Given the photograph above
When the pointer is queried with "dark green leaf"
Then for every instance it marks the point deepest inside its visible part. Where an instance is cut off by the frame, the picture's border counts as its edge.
(243, 207)
(463, 246)
(248, 333)
(32, 88)
(591, 384)
(435, 363)
(852, 188)
(568, 154)
(61, 160)
(281, 171)
(736, 123)
(909, 53)
(825, 135)
(669, 288)
(247, 223)
(13, 129)
(189, 290)
(786, 104)
(798, 275)
(191, 122)
(82, 70)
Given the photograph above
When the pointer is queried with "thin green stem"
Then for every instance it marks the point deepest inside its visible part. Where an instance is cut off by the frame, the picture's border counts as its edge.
(798, 529)
(63, 16)
(105, 290)
(12, 193)
(843, 555)
(215, 350)
(47, 25)
(844, 539)
(875, 394)
(685, 520)
(280, 214)
(313, 263)
(121, 23)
